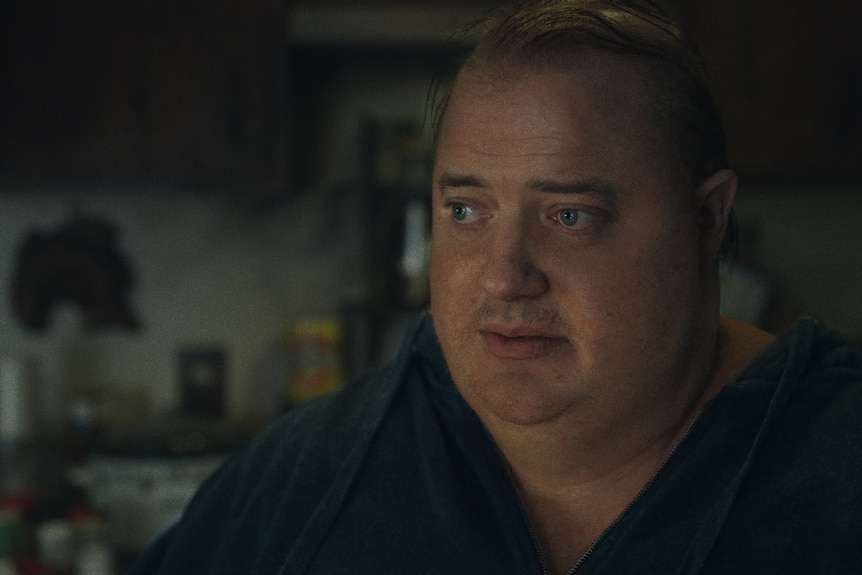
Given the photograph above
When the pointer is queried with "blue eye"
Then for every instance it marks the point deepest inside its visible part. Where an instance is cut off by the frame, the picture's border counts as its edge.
(460, 212)
(569, 218)
(575, 220)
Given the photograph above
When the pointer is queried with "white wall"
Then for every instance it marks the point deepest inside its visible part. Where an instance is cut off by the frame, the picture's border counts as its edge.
(808, 242)
(208, 271)
(211, 271)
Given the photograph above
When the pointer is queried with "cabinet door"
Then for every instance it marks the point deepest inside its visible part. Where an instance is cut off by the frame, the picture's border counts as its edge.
(142, 92)
(788, 77)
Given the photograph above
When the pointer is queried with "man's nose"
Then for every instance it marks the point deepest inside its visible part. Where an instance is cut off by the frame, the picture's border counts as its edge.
(510, 270)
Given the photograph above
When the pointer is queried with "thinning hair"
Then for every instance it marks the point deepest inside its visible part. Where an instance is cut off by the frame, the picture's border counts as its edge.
(677, 92)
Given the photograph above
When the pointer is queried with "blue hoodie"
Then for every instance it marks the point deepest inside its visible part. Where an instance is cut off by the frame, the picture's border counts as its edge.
(396, 474)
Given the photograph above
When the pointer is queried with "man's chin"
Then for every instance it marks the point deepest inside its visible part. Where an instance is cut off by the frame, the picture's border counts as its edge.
(513, 398)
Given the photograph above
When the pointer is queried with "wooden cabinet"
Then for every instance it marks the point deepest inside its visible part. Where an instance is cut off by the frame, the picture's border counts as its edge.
(182, 93)
(788, 80)
(191, 93)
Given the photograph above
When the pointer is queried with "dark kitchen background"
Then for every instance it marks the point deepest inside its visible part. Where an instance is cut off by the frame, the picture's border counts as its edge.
(213, 210)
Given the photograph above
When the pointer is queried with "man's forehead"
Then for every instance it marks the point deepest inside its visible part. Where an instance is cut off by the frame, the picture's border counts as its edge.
(517, 101)
(586, 61)
(616, 89)
(614, 82)
(516, 121)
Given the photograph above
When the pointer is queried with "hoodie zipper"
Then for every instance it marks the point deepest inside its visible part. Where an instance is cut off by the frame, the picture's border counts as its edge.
(543, 561)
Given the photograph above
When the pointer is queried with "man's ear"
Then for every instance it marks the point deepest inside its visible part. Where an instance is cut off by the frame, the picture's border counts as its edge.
(713, 202)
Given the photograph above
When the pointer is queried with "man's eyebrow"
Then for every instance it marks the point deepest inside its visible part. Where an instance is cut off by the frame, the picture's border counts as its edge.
(595, 187)
(447, 180)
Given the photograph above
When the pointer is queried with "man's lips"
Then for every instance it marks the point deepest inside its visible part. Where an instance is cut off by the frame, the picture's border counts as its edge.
(520, 343)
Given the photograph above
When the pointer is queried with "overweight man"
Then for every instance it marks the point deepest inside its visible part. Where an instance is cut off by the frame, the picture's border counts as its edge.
(573, 402)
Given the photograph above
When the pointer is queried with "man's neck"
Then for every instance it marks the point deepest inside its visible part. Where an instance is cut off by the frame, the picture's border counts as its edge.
(579, 448)
(572, 499)
(553, 462)
(576, 475)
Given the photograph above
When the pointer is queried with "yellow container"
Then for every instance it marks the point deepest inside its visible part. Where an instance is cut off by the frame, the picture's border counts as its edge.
(315, 349)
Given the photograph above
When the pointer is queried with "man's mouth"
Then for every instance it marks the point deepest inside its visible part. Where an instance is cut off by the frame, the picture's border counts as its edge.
(519, 344)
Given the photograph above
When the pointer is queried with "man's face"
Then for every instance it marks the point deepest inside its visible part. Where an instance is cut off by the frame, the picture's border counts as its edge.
(565, 263)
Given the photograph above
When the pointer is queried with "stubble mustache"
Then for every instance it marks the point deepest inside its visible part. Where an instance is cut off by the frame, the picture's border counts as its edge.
(522, 314)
